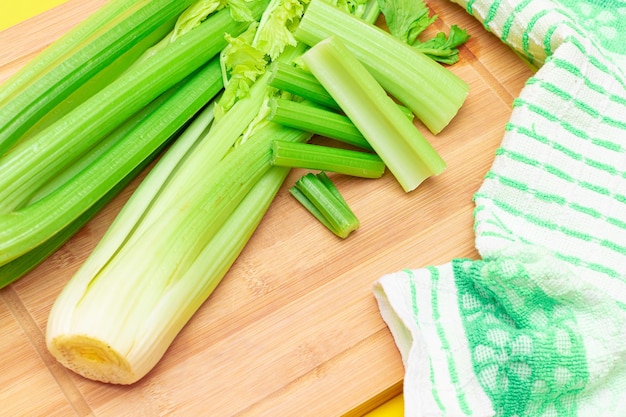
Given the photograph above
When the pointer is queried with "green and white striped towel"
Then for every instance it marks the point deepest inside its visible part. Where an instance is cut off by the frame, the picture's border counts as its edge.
(537, 326)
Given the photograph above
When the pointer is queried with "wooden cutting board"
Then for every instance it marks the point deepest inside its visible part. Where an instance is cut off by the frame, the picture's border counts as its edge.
(293, 329)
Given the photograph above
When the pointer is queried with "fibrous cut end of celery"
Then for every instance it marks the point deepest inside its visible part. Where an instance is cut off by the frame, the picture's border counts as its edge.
(92, 359)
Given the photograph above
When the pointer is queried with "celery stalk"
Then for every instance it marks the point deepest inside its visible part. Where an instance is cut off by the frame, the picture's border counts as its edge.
(163, 275)
(24, 229)
(431, 91)
(326, 158)
(407, 154)
(22, 170)
(101, 48)
(61, 48)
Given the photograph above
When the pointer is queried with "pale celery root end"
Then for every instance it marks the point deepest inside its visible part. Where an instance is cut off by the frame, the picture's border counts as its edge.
(92, 359)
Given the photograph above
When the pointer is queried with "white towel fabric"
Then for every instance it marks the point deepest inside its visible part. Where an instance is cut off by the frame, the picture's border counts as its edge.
(537, 326)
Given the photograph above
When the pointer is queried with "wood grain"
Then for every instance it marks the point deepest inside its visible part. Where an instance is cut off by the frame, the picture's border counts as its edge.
(293, 329)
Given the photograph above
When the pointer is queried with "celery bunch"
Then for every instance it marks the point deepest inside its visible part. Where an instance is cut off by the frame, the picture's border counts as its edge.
(198, 78)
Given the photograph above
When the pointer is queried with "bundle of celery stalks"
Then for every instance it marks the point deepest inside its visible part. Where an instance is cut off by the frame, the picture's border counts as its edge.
(227, 94)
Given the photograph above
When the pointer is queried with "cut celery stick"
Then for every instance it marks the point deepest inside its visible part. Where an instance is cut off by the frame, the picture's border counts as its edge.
(405, 151)
(317, 120)
(326, 158)
(431, 91)
(321, 198)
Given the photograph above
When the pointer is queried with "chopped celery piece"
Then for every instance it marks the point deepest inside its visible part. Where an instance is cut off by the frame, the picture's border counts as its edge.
(320, 121)
(321, 198)
(108, 42)
(326, 158)
(405, 151)
(431, 91)
(24, 229)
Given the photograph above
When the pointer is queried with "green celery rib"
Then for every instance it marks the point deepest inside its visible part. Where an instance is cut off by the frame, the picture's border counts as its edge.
(22, 170)
(61, 48)
(103, 47)
(407, 154)
(431, 91)
(320, 121)
(24, 229)
(113, 138)
(319, 196)
(326, 158)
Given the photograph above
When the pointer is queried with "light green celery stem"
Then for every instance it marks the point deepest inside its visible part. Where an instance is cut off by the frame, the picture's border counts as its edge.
(317, 120)
(336, 214)
(215, 144)
(105, 45)
(326, 158)
(430, 90)
(142, 200)
(230, 128)
(17, 268)
(151, 264)
(100, 80)
(22, 169)
(181, 298)
(59, 50)
(24, 229)
(303, 84)
(176, 172)
(405, 151)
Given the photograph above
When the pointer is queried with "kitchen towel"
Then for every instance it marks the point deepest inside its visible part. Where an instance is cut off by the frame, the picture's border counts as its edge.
(537, 325)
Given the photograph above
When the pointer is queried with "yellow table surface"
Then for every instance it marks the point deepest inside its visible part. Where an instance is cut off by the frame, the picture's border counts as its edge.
(16, 12)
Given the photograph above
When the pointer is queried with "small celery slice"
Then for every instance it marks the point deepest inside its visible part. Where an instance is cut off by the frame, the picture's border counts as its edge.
(322, 199)
(405, 151)
(326, 158)
(431, 91)
(24, 229)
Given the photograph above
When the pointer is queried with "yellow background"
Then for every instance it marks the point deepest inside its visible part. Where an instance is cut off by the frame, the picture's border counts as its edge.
(15, 11)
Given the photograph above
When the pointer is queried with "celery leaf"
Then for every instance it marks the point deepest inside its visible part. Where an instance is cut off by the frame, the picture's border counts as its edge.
(444, 49)
(406, 19)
